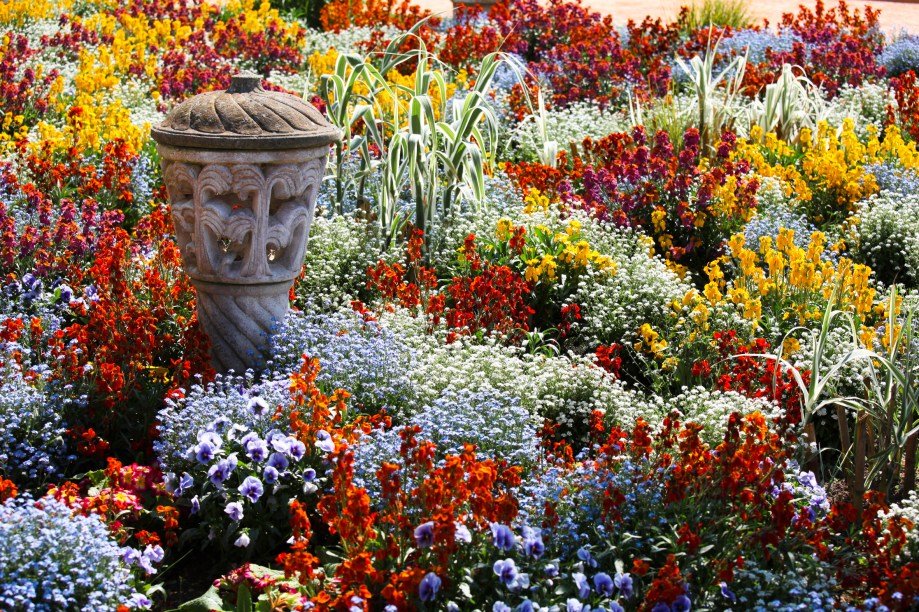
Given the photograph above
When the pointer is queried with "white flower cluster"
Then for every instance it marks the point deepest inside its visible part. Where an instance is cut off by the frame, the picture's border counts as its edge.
(134, 94)
(565, 389)
(775, 194)
(713, 409)
(865, 105)
(888, 236)
(344, 41)
(339, 252)
(614, 306)
(301, 83)
(567, 126)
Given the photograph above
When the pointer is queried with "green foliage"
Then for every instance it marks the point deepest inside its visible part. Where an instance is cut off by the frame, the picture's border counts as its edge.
(717, 96)
(733, 13)
(435, 148)
(306, 10)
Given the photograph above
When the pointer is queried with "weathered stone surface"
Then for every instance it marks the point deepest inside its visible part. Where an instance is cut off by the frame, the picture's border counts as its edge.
(245, 117)
(241, 211)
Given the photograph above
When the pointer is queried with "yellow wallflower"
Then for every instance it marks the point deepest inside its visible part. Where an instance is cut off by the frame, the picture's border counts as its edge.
(535, 201)
(658, 219)
(789, 347)
(651, 342)
(504, 230)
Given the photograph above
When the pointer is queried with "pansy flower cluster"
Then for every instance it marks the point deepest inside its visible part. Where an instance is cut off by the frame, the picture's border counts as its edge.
(244, 472)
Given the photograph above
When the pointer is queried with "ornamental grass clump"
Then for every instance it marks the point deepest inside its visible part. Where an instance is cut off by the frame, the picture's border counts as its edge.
(568, 127)
(53, 559)
(730, 13)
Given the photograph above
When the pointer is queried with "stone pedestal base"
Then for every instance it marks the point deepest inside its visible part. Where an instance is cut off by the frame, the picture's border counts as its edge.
(238, 318)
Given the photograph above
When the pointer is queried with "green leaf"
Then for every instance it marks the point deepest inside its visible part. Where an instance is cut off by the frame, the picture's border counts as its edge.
(243, 598)
(209, 601)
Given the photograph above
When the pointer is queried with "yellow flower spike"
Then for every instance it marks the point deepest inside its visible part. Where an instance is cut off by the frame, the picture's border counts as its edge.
(535, 201)
(748, 260)
(666, 241)
(647, 333)
(574, 227)
(866, 335)
(776, 263)
(679, 269)
(533, 272)
(789, 347)
(785, 241)
(648, 242)
(739, 295)
(753, 310)
(657, 218)
(606, 264)
(715, 275)
(582, 253)
(699, 314)
(736, 243)
(711, 293)
(504, 229)
(548, 266)
(804, 137)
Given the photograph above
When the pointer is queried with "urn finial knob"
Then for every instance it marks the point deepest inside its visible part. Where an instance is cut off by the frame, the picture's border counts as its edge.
(245, 82)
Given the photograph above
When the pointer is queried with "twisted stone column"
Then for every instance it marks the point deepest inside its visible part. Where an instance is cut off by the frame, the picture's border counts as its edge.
(242, 223)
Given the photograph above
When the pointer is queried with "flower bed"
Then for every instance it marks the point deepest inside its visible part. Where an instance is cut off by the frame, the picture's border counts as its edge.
(590, 317)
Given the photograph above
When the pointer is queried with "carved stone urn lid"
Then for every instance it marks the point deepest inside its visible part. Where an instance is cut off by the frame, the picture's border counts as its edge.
(245, 117)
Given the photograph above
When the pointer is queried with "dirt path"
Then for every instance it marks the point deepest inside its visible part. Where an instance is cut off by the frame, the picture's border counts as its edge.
(894, 15)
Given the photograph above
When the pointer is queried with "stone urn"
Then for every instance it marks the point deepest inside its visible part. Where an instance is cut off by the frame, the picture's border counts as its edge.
(243, 168)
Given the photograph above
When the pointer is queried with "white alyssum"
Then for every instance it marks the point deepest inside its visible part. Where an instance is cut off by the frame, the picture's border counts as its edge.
(567, 126)
(713, 409)
(566, 389)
